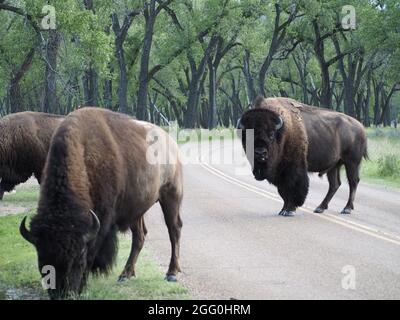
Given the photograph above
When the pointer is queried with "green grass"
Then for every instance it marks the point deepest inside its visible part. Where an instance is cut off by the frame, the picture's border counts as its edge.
(383, 166)
(26, 196)
(20, 278)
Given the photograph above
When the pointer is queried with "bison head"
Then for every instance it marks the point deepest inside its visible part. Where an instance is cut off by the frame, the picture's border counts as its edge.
(9, 178)
(5, 186)
(63, 245)
(268, 127)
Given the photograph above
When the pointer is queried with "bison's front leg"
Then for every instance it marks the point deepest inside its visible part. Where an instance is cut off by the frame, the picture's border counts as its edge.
(139, 232)
(293, 188)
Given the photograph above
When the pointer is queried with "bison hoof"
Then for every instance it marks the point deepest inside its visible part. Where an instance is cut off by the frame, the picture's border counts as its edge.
(319, 210)
(171, 278)
(287, 213)
(122, 279)
(346, 211)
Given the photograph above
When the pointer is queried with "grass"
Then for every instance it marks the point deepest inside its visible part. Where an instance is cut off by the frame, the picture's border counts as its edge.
(20, 278)
(26, 196)
(383, 166)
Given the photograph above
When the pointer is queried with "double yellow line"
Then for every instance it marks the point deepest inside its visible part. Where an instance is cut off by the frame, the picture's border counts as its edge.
(394, 239)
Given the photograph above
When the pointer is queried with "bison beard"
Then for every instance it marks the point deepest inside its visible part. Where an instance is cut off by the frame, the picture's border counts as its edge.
(97, 169)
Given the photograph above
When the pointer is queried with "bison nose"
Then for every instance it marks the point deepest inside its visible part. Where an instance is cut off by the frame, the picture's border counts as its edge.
(261, 154)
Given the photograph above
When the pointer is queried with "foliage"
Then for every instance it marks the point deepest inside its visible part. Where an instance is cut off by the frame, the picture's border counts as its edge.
(279, 35)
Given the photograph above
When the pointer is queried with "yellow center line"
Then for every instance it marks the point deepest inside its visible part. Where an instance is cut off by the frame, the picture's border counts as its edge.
(329, 217)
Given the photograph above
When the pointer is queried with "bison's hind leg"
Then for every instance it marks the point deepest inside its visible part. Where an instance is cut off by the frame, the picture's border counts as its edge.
(334, 184)
(170, 201)
(139, 233)
(352, 172)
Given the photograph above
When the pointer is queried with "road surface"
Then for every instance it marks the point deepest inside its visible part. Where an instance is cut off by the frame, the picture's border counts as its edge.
(234, 245)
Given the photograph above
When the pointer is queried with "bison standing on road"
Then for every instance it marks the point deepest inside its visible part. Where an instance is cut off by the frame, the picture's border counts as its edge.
(291, 139)
(101, 177)
(24, 143)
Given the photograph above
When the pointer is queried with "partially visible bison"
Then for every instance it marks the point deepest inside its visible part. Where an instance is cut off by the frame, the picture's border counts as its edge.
(291, 139)
(103, 172)
(24, 143)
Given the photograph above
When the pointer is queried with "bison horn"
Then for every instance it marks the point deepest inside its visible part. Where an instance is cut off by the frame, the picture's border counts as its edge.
(94, 228)
(26, 233)
(239, 124)
(279, 125)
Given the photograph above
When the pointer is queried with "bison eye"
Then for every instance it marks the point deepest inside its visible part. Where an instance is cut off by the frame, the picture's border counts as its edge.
(272, 136)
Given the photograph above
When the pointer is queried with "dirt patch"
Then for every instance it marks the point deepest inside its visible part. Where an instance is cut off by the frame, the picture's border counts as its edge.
(7, 208)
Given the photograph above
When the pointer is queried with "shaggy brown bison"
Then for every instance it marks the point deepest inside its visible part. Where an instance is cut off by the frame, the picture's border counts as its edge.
(291, 139)
(24, 143)
(103, 172)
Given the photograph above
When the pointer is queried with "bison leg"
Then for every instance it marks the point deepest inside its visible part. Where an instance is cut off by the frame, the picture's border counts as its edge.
(1, 194)
(334, 184)
(293, 191)
(170, 204)
(139, 233)
(282, 192)
(352, 171)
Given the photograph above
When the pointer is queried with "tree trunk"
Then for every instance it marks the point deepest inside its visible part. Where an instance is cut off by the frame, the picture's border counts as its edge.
(50, 102)
(108, 93)
(212, 101)
(123, 80)
(150, 16)
(90, 87)
(14, 95)
(251, 92)
(90, 77)
(195, 82)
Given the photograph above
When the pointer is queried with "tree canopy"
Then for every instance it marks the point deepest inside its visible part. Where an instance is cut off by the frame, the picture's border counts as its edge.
(200, 62)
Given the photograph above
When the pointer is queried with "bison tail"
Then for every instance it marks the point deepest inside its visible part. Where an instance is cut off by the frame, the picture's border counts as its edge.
(366, 155)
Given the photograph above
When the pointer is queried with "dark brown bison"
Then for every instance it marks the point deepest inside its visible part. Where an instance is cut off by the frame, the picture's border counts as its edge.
(291, 139)
(100, 177)
(24, 143)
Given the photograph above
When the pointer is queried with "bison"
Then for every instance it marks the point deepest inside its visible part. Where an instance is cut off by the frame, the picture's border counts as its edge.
(24, 143)
(99, 178)
(291, 139)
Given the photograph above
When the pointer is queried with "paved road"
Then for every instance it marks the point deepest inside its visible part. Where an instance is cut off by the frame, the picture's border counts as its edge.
(234, 245)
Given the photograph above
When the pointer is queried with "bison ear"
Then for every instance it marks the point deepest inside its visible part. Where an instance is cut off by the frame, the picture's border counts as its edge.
(258, 101)
(94, 228)
(239, 124)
